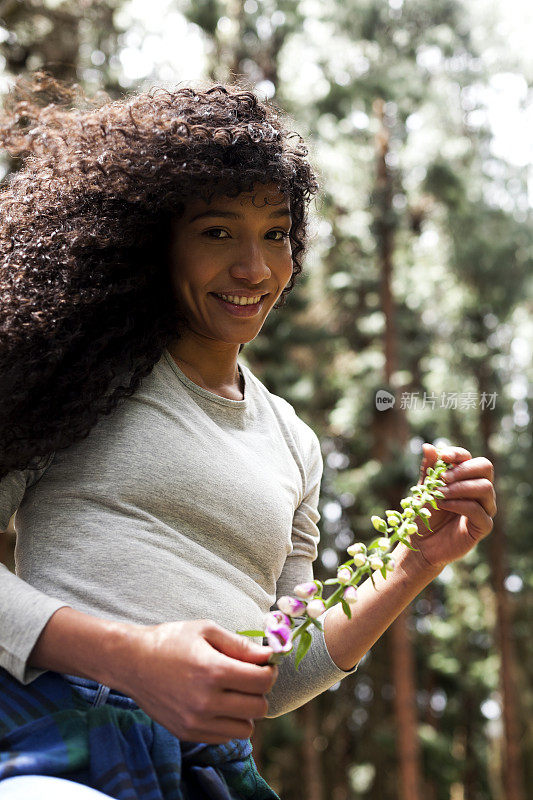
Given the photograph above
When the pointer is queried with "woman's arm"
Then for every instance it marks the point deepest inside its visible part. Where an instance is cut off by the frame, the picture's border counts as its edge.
(376, 609)
(81, 644)
(463, 518)
(200, 681)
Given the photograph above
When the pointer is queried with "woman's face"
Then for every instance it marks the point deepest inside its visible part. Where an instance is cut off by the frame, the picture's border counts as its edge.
(229, 252)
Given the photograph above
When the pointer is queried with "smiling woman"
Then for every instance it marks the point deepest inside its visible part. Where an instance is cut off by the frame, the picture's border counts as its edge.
(164, 497)
(226, 285)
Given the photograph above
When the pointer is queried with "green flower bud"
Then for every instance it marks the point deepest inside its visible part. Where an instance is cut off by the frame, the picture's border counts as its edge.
(393, 518)
(353, 549)
(379, 524)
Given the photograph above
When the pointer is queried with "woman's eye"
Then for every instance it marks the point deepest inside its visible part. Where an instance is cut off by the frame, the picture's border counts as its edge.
(214, 231)
(282, 235)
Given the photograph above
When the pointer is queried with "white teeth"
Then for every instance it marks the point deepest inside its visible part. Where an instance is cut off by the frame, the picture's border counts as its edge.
(240, 301)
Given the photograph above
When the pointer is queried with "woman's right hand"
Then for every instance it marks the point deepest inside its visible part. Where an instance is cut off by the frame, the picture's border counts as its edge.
(200, 681)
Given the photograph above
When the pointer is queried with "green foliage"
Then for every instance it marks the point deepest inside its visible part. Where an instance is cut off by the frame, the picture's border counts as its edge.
(459, 224)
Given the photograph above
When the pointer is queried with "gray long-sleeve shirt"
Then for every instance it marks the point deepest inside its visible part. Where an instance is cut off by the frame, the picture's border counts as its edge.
(180, 505)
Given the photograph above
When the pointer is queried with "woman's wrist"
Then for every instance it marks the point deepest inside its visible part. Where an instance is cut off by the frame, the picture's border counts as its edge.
(414, 564)
(76, 643)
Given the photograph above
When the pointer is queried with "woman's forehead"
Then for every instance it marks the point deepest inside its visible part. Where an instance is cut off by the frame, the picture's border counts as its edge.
(262, 197)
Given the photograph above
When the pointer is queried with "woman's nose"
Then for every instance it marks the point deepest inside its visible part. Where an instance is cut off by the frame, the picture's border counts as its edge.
(250, 264)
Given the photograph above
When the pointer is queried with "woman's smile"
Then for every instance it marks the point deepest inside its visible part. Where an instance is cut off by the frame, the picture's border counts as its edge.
(240, 306)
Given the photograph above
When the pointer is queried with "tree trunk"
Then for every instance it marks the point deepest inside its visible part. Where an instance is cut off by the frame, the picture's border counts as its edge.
(403, 670)
(391, 433)
(312, 779)
(513, 781)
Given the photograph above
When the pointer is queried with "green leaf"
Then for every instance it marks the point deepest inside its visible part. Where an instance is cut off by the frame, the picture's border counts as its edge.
(346, 608)
(316, 623)
(373, 543)
(252, 633)
(438, 493)
(303, 646)
(433, 503)
(383, 572)
(426, 523)
(409, 545)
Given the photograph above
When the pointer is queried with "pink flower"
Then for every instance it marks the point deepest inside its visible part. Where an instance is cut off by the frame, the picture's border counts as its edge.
(291, 606)
(344, 574)
(350, 595)
(316, 607)
(278, 632)
(305, 590)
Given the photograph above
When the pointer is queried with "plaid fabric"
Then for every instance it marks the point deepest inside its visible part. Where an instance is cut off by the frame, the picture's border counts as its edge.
(83, 731)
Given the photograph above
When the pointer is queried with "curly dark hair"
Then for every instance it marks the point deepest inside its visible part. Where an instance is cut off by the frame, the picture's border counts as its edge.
(86, 300)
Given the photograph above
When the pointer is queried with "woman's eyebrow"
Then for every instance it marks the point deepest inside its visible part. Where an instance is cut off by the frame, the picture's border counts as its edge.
(215, 212)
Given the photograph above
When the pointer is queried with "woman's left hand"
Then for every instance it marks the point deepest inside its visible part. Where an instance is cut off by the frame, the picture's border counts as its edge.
(465, 515)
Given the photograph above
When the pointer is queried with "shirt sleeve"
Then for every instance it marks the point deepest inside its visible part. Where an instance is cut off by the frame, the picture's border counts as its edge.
(24, 610)
(317, 671)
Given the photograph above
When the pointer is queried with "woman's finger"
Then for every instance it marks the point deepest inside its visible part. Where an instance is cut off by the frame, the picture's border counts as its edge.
(239, 705)
(454, 455)
(479, 521)
(480, 489)
(451, 455)
(478, 467)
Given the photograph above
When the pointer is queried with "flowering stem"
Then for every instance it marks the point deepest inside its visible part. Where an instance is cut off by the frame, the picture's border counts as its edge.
(398, 527)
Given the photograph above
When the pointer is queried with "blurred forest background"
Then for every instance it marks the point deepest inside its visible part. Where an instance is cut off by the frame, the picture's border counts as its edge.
(419, 118)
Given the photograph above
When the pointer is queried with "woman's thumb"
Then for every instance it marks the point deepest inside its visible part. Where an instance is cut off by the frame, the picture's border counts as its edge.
(235, 645)
(429, 457)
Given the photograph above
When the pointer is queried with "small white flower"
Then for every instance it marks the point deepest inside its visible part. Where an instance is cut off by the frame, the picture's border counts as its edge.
(384, 543)
(390, 564)
(359, 560)
(344, 574)
(315, 607)
(408, 513)
(393, 519)
(358, 547)
(350, 595)
(411, 529)
(376, 562)
(425, 512)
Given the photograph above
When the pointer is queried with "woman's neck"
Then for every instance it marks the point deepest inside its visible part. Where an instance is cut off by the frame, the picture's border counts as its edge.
(213, 369)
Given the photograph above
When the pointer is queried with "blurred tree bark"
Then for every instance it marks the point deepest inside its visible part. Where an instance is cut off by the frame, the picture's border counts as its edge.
(391, 435)
(512, 763)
